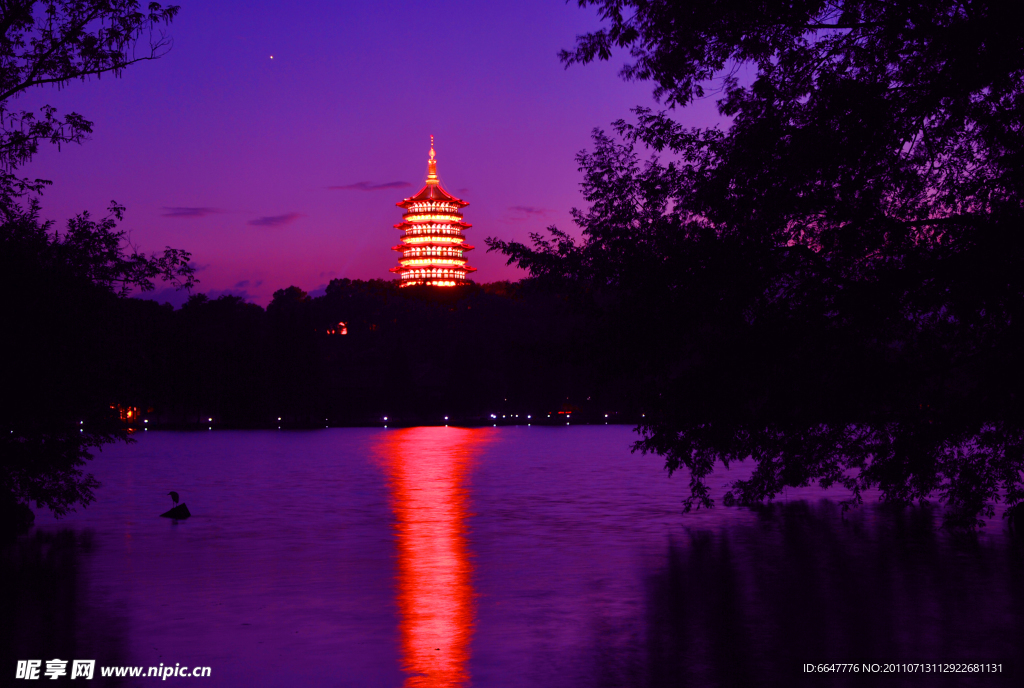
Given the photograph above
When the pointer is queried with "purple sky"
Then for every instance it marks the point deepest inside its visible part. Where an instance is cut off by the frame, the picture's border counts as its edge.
(286, 171)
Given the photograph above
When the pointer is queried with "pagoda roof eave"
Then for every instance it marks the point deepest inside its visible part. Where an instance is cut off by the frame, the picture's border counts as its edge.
(432, 282)
(408, 268)
(432, 192)
(431, 266)
(405, 247)
(405, 224)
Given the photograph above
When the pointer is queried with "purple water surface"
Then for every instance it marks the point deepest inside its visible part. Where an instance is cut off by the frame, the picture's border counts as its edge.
(517, 556)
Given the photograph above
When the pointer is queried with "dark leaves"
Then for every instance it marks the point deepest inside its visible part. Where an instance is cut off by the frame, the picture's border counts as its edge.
(829, 284)
(61, 287)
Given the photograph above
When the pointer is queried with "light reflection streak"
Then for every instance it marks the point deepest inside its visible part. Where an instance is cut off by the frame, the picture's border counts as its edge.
(428, 471)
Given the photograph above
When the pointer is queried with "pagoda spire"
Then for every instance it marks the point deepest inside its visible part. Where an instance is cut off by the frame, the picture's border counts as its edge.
(432, 165)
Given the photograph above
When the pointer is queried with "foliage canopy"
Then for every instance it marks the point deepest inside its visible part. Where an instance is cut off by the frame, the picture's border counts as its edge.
(61, 287)
(830, 280)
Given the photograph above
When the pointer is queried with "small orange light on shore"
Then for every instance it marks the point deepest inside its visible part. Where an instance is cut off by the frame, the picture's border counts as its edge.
(127, 414)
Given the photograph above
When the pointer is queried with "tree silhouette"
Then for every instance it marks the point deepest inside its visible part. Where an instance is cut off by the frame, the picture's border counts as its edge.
(58, 41)
(64, 373)
(829, 282)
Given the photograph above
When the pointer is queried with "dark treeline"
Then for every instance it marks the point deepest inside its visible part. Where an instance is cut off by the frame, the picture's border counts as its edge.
(362, 351)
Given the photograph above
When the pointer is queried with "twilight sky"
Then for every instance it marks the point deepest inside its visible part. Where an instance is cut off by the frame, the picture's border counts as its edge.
(286, 170)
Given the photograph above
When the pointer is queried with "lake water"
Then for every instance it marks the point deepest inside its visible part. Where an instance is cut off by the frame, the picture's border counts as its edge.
(517, 556)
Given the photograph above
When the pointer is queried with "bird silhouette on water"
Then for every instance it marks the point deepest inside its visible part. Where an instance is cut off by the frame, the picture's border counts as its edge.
(177, 511)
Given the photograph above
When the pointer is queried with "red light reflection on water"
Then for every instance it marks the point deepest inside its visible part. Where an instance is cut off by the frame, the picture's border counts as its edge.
(428, 473)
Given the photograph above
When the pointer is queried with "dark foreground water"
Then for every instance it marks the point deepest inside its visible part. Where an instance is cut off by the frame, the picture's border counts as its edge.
(490, 557)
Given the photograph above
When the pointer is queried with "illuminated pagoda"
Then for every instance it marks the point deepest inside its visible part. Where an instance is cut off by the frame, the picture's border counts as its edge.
(432, 247)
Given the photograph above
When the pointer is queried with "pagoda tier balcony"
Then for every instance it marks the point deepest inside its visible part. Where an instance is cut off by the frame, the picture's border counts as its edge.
(412, 253)
(433, 280)
(440, 258)
(430, 269)
(433, 231)
(430, 245)
(432, 262)
(444, 250)
(432, 217)
(443, 243)
(453, 239)
(429, 224)
(435, 283)
(433, 243)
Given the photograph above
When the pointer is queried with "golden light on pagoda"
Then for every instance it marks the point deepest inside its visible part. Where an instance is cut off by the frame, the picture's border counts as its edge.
(432, 246)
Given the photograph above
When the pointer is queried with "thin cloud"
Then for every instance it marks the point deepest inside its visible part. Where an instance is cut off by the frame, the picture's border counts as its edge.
(188, 211)
(530, 210)
(275, 220)
(370, 186)
(246, 283)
